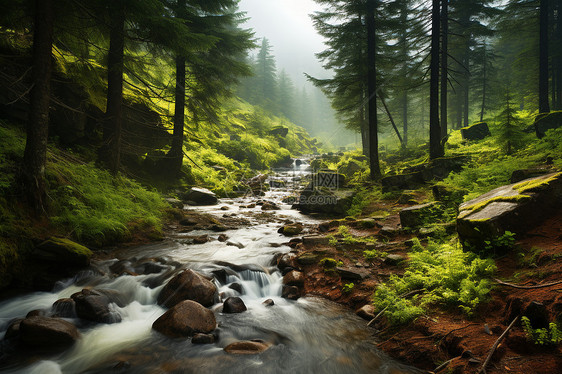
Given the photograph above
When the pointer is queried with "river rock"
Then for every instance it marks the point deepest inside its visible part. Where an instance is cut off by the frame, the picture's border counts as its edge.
(200, 196)
(247, 347)
(516, 208)
(290, 292)
(414, 216)
(367, 312)
(291, 229)
(61, 250)
(294, 278)
(269, 302)
(64, 308)
(203, 339)
(545, 122)
(201, 239)
(307, 258)
(123, 267)
(287, 260)
(394, 259)
(13, 329)
(268, 205)
(185, 319)
(234, 305)
(236, 287)
(50, 333)
(93, 306)
(152, 268)
(187, 285)
(477, 131)
(174, 203)
(234, 243)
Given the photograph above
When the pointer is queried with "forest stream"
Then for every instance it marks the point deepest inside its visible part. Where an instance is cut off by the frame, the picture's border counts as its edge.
(309, 335)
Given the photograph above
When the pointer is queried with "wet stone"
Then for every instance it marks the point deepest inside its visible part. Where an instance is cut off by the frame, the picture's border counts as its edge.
(203, 339)
(234, 305)
(268, 302)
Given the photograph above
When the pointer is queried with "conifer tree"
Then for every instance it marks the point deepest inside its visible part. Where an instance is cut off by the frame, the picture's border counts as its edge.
(35, 155)
(510, 126)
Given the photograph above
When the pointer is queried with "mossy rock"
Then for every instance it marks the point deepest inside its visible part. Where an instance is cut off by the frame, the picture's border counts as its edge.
(515, 208)
(545, 122)
(307, 259)
(477, 131)
(62, 250)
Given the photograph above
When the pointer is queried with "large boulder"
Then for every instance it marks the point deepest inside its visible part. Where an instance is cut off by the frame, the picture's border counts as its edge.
(415, 216)
(545, 122)
(50, 333)
(516, 208)
(64, 251)
(93, 305)
(185, 319)
(188, 285)
(478, 131)
(200, 196)
(325, 200)
(294, 278)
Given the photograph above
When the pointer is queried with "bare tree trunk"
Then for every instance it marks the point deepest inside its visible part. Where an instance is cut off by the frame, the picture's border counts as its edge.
(372, 89)
(466, 89)
(404, 101)
(482, 109)
(444, 67)
(557, 60)
(544, 106)
(176, 151)
(435, 146)
(114, 113)
(35, 154)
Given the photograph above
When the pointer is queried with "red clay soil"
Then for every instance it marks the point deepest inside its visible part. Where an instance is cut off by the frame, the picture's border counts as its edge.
(443, 336)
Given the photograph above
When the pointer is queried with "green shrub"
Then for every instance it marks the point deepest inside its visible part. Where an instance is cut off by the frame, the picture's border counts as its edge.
(542, 336)
(348, 287)
(445, 275)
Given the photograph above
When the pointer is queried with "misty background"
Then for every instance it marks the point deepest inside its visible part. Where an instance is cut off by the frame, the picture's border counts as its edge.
(287, 26)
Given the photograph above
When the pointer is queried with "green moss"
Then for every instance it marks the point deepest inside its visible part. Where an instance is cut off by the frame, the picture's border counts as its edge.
(70, 246)
(534, 185)
(510, 199)
(329, 263)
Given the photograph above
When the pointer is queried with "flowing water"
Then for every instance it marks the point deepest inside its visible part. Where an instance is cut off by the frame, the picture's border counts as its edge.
(310, 335)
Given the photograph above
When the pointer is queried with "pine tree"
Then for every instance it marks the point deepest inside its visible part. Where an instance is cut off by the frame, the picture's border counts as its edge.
(510, 133)
(35, 154)
(265, 77)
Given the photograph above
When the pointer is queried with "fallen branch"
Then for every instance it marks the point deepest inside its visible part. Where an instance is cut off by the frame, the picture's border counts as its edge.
(527, 287)
(444, 365)
(495, 346)
(407, 294)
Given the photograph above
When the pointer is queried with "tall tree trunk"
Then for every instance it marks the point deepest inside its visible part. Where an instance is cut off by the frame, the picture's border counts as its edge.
(404, 102)
(35, 154)
(544, 106)
(176, 151)
(466, 88)
(483, 108)
(114, 113)
(363, 125)
(444, 67)
(372, 89)
(391, 119)
(435, 145)
(557, 104)
(404, 54)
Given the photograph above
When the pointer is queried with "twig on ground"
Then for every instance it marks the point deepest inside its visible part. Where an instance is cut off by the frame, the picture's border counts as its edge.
(527, 287)
(495, 346)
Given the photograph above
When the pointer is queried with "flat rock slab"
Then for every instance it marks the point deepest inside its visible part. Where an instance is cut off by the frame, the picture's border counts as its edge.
(247, 347)
(478, 131)
(516, 208)
(414, 216)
